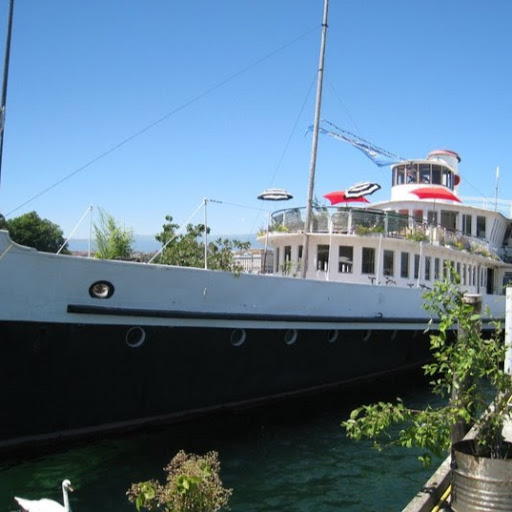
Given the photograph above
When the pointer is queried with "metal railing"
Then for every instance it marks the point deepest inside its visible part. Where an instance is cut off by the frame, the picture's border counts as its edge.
(364, 221)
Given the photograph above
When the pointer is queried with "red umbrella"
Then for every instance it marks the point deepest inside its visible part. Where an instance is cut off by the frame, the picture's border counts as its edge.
(435, 193)
(340, 197)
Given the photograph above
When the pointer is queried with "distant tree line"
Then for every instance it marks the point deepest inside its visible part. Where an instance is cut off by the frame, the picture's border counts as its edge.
(114, 241)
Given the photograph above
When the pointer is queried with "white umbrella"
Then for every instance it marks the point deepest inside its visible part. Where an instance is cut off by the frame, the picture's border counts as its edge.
(364, 188)
(275, 194)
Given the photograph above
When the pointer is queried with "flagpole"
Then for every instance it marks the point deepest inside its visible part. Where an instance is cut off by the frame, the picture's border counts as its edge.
(314, 146)
(4, 81)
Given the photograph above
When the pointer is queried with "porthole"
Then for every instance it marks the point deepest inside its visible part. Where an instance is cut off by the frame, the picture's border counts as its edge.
(332, 336)
(367, 335)
(290, 336)
(135, 337)
(101, 290)
(238, 337)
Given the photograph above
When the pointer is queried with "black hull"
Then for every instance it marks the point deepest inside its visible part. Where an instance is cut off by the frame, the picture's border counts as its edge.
(61, 380)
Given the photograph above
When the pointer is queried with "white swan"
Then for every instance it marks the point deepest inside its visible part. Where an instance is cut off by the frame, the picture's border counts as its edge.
(46, 505)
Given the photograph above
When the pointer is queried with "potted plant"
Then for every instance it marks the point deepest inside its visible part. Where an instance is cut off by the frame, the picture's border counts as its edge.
(467, 368)
(193, 485)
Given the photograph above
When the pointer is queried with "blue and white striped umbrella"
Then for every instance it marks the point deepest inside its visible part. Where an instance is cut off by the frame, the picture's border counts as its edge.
(364, 188)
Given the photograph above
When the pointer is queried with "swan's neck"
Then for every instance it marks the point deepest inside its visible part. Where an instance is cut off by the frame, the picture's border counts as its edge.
(67, 508)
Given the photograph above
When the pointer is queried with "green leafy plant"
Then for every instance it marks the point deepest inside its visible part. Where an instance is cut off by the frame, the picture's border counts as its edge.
(187, 249)
(417, 236)
(112, 240)
(466, 369)
(193, 485)
(368, 230)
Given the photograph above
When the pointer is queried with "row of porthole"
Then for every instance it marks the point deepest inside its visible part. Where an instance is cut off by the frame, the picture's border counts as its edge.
(238, 336)
(136, 336)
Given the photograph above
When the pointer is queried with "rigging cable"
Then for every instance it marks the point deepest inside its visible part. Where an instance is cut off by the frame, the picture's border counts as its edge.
(165, 117)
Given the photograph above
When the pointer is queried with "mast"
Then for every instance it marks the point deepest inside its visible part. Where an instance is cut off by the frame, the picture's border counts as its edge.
(4, 81)
(314, 146)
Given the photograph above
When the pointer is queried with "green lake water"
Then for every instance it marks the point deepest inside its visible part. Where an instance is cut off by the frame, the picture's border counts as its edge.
(291, 456)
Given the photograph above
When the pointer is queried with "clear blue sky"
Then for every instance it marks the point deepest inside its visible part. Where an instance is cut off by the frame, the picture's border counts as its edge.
(87, 75)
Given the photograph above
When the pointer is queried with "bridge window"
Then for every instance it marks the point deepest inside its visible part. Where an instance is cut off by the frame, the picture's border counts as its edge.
(399, 175)
(447, 178)
(466, 224)
(287, 253)
(368, 261)
(436, 174)
(404, 265)
(412, 173)
(389, 257)
(416, 266)
(427, 268)
(322, 257)
(425, 173)
(346, 259)
(480, 227)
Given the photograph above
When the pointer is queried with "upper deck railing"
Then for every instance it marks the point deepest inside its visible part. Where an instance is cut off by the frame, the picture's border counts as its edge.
(364, 221)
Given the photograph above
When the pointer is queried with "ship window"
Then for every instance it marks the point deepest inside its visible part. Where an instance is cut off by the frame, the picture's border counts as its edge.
(322, 257)
(368, 261)
(416, 266)
(436, 174)
(448, 219)
(427, 268)
(101, 290)
(346, 259)
(404, 265)
(399, 175)
(425, 173)
(412, 173)
(447, 178)
(432, 218)
(135, 337)
(238, 337)
(466, 224)
(290, 336)
(388, 263)
(480, 227)
(332, 336)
